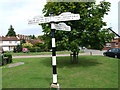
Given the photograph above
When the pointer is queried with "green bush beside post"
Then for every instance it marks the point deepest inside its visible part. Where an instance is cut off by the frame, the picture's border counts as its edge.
(0, 59)
(9, 57)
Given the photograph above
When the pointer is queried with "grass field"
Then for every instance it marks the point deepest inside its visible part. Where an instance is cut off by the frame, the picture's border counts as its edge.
(90, 72)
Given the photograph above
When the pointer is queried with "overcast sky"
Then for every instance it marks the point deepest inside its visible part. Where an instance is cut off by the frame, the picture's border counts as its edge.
(17, 13)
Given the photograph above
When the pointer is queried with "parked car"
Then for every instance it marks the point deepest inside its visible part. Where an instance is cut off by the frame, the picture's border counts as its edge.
(113, 52)
(82, 48)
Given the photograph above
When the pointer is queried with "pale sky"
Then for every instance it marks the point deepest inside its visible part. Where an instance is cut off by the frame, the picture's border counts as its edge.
(18, 12)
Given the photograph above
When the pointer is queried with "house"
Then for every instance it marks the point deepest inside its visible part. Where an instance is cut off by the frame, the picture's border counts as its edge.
(23, 37)
(28, 39)
(34, 41)
(9, 43)
(114, 44)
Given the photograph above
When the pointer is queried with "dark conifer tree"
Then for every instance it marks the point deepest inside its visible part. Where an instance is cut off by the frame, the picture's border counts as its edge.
(11, 32)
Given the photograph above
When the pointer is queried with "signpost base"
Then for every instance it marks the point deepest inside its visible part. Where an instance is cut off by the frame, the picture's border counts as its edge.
(55, 87)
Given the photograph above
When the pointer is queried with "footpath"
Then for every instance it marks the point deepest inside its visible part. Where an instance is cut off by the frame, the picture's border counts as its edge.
(87, 52)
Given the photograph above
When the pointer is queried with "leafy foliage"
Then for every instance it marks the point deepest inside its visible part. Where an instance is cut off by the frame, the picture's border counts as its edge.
(22, 41)
(32, 36)
(18, 48)
(88, 31)
(9, 56)
(27, 45)
(6, 58)
(42, 46)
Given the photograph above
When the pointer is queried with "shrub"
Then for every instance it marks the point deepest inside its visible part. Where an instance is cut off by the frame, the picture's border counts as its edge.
(27, 45)
(36, 49)
(9, 57)
(25, 50)
(18, 48)
(42, 46)
(1, 59)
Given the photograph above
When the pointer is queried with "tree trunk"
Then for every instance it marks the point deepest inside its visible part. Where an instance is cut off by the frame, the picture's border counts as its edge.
(74, 58)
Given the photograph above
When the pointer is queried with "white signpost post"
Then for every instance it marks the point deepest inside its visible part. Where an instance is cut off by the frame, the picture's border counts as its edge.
(66, 16)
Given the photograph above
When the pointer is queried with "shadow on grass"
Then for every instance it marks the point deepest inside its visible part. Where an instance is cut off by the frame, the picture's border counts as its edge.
(66, 62)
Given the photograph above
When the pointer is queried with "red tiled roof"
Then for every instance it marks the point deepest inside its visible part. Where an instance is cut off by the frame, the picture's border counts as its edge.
(9, 39)
(35, 41)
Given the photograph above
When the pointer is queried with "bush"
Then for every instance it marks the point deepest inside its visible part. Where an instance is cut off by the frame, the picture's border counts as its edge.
(42, 46)
(25, 50)
(1, 59)
(27, 45)
(9, 57)
(18, 48)
(36, 49)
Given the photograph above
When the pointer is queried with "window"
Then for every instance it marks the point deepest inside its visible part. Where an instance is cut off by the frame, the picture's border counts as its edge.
(108, 44)
(1, 41)
(116, 44)
(15, 41)
(10, 41)
(119, 49)
(114, 49)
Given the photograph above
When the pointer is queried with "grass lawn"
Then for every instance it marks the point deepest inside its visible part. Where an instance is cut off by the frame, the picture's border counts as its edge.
(90, 72)
(42, 53)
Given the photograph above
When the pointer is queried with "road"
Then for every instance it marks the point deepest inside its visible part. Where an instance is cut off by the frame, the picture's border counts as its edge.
(87, 52)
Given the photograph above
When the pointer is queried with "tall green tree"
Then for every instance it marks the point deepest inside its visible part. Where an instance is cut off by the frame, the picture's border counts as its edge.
(88, 31)
(41, 37)
(32, 36)
(11, 32)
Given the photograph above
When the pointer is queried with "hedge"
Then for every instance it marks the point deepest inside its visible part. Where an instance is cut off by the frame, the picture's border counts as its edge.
(6, 58)
(1, 60)
(36, 49)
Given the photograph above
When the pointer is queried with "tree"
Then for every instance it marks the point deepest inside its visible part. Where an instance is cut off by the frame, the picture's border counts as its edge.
(88, 31)
(39, 44)
(18, 48)
(22, 41)
(11, 32)
(32, 36)
(27, 45)
(41, 37)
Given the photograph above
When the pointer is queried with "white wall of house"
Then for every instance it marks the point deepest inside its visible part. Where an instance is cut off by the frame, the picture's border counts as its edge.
(6, 48)
(108, 44)
(9, 45)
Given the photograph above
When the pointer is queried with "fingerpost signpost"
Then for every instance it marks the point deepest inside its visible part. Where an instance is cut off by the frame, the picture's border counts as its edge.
(65, 16)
